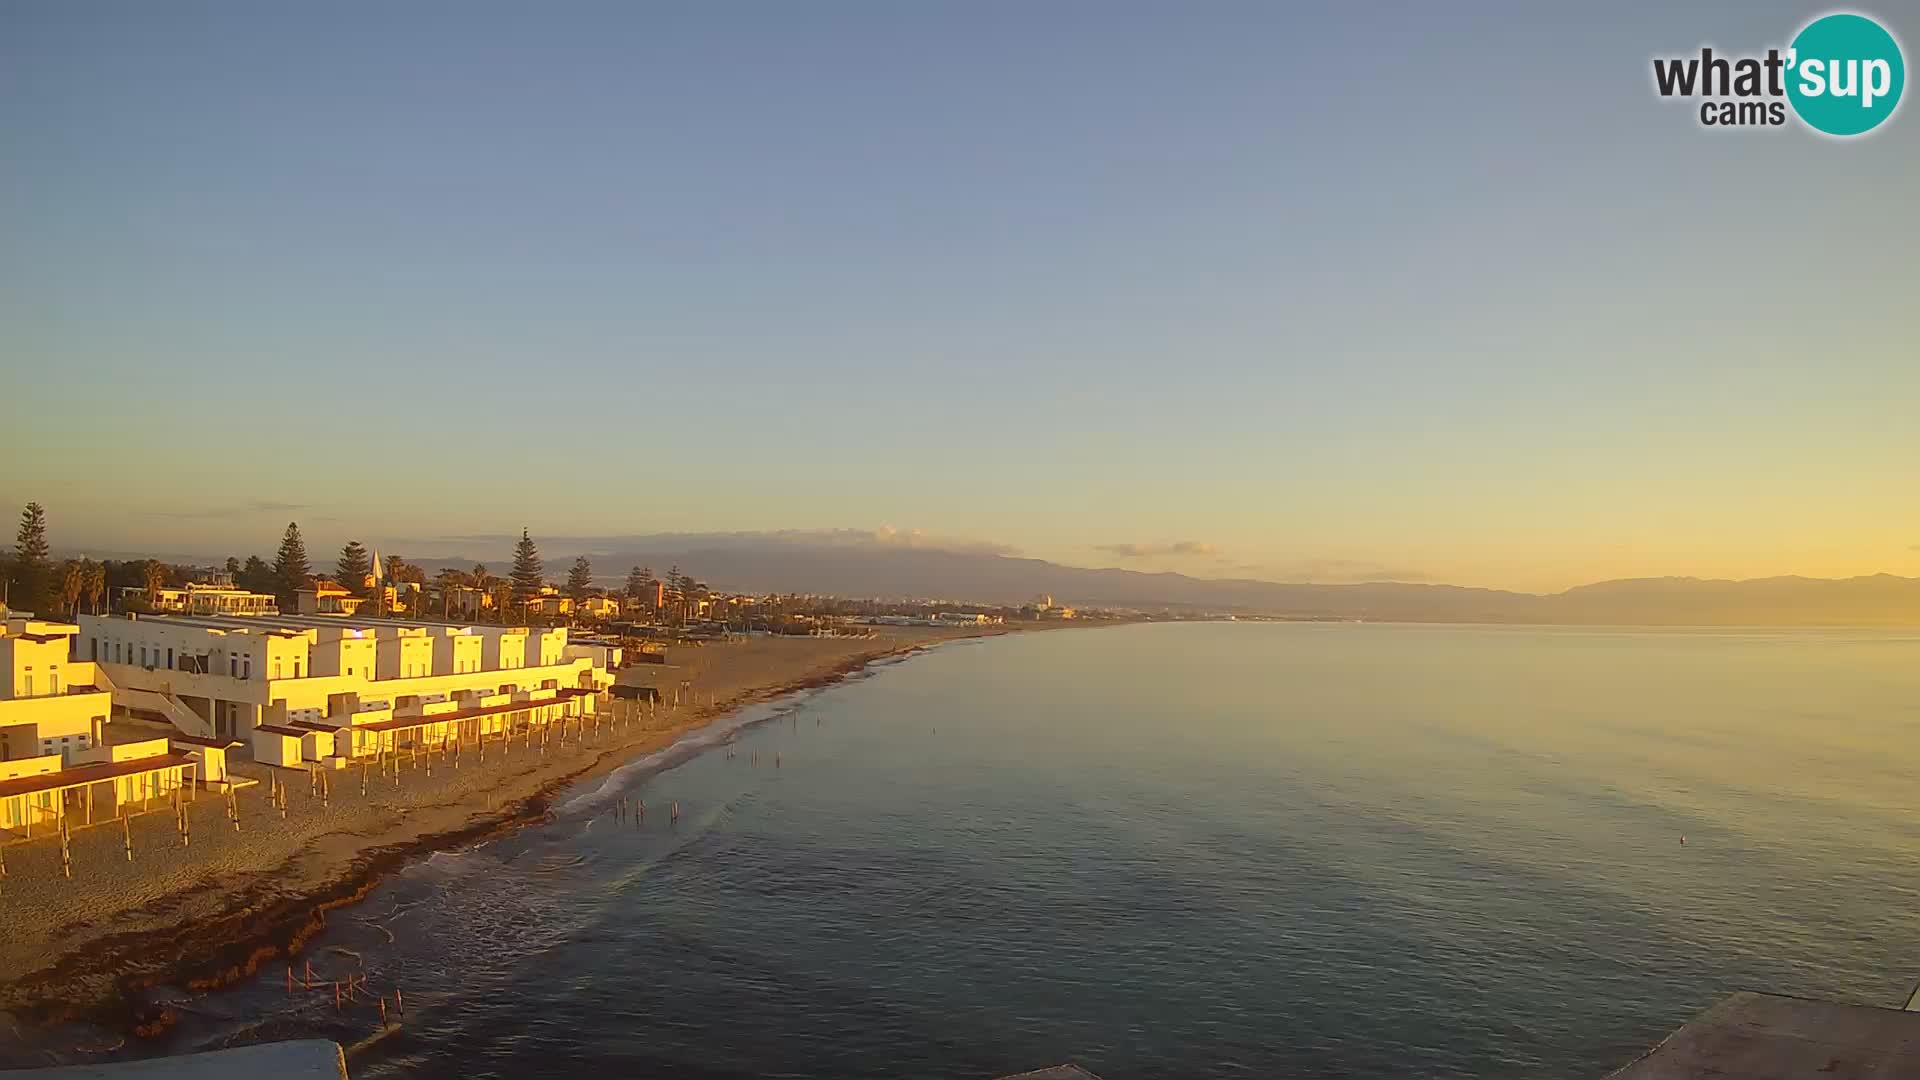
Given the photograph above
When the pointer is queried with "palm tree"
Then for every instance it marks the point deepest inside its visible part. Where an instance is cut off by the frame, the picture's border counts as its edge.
(73, 582)
(154, 576)
(448, 580)
(95, 585)
(483, 581)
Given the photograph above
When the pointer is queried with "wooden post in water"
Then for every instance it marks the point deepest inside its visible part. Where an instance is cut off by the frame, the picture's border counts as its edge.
(126, 831)
(66, 853)
(289, 979)
(383, 1012)
(309, 974)
(399, 1002)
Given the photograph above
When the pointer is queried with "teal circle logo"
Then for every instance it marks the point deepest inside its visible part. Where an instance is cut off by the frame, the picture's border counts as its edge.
(1845, 74)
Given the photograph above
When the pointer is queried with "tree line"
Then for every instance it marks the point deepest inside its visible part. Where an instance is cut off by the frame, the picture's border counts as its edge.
(32, 581)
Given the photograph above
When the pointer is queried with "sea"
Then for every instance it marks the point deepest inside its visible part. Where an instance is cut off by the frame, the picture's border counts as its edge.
(1176, 850)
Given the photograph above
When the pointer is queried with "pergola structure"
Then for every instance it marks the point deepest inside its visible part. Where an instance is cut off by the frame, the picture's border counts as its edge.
(42, 800)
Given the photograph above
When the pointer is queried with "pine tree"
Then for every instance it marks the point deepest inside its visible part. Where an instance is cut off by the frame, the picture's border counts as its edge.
(580, 579)
(233, 569)
(32, 570)
(353, 567)
(290, 569)
(525, 575)
(639, 581)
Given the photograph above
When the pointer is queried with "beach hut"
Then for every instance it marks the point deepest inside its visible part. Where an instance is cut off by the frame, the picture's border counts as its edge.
(317, 741)
(276, 745)
(210, 753)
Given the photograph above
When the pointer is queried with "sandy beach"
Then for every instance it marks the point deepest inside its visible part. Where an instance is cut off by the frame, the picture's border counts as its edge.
(233, 900)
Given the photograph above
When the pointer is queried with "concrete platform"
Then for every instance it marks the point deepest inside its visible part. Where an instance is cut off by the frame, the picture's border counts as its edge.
(1768, 1037)
(300, 1059)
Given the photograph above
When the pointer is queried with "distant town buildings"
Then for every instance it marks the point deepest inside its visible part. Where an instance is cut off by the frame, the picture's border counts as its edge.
(196, 598)
(324, 597)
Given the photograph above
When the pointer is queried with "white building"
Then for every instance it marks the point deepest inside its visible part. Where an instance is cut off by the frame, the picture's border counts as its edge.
(221, 677)
(49, 703)
(201, 599)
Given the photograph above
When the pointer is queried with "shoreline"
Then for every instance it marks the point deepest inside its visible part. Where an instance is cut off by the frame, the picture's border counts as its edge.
(104, 980)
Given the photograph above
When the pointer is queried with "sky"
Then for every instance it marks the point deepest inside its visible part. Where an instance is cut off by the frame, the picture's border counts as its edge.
(1298, 291)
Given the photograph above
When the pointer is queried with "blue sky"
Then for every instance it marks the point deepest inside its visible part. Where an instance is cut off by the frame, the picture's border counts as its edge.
(1333, 291)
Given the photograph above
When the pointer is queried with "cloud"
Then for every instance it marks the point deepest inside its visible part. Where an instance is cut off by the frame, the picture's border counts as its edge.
(1192, 549)
(888, 536)
(243, 508)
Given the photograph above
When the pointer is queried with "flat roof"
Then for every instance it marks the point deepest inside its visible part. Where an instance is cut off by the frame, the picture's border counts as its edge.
(90, 774)
(1756, 1036)
(202, 740)
(403, 723)
(294, 622)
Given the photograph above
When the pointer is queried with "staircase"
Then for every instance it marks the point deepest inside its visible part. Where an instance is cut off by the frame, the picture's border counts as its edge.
(165, 706)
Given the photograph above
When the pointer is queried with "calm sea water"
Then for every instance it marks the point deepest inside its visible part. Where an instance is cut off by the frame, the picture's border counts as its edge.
(1198, 850)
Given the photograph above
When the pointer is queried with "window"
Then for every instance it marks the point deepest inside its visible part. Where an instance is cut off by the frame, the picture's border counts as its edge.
(246, 667)
(53, 682)
(233, 667)
(93, 649)
(276, 668)
(29, 692)
(169, 657)
(143, 656)
(296, 669)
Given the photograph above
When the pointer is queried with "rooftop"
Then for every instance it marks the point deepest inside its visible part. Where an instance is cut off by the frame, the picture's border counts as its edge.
(89, 774)
(405, 722)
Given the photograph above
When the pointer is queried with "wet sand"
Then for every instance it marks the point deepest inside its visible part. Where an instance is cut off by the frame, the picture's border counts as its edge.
(232, 900)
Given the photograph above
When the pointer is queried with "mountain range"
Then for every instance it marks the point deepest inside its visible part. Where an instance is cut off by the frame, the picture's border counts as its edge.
(851, 565)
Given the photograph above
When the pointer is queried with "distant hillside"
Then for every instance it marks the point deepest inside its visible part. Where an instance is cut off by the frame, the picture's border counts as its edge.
(792, 563)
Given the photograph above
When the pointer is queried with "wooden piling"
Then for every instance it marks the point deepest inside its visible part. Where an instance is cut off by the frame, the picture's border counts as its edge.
(289, 978)
(383, 1012)
(399, 1002)
(336, 995)
(126, 831)
(309, 973)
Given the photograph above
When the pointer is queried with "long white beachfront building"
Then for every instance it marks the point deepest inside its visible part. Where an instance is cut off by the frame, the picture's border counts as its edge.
(224, 677)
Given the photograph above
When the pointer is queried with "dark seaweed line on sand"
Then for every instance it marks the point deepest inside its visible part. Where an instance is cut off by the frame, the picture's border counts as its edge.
(264, 924)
